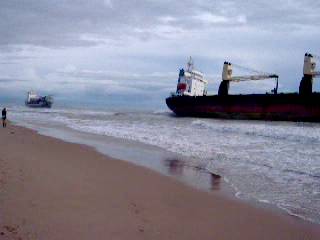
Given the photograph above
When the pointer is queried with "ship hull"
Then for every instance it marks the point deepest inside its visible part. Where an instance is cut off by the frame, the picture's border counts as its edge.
(279, 107)
(39, 105)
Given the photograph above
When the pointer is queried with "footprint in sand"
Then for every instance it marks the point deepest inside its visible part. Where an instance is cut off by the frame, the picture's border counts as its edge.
(2, 178)
(139, 211)
(11, 229)
(135, 208)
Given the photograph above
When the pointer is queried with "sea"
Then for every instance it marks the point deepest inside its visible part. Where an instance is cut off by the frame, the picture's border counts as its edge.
(276, 163)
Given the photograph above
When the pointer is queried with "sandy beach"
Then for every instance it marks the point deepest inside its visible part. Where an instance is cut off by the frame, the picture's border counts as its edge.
(50, 189)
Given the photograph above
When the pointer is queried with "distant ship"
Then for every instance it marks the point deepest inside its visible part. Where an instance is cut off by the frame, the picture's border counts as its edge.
(191, 99)
(36, 101)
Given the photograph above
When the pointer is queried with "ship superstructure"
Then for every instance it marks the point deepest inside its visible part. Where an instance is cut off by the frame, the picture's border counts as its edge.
(191, 82)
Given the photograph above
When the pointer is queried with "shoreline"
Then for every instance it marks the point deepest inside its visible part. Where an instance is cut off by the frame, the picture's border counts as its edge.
(172, 165)
(254, 168)
(48, 186)
(141, 154)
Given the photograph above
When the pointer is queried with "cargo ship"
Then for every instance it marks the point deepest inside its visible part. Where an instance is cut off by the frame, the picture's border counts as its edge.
(35, 101)
(191, 99)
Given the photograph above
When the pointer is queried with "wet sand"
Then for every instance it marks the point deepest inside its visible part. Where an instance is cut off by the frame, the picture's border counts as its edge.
(50, 189)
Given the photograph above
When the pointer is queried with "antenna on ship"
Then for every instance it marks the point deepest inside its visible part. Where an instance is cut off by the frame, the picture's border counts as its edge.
(190, 64)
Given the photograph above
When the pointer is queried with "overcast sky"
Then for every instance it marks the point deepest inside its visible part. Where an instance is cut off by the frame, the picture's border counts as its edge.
(109, 48)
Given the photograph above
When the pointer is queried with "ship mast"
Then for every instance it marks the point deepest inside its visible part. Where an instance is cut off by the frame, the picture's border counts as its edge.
(190, 65)
(309, 72)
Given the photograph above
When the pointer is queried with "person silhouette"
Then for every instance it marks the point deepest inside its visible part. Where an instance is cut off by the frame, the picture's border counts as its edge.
(4, 117)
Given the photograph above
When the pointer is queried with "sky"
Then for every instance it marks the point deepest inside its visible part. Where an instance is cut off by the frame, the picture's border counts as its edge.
(130, 51)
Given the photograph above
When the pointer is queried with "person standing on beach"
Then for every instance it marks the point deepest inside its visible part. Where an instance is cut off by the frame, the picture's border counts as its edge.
(4, 117)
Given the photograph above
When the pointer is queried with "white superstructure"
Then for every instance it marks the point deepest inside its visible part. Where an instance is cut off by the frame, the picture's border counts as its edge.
(309, 72)
(309, 66)
(31, 96)
(191, 82)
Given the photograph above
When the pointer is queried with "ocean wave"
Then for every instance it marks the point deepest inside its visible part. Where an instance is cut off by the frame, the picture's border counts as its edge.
(299, 172)
(301, 134)
(166, 112)
(297, 212)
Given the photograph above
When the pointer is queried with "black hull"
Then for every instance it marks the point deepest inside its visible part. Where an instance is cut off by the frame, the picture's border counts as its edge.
(279, 107)
(39, 105)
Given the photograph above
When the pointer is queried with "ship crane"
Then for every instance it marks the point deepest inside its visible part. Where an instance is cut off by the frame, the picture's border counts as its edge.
(227, 78)
(309, 72)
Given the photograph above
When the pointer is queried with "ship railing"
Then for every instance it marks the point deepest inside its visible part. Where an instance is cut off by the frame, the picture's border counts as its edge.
(175, 94)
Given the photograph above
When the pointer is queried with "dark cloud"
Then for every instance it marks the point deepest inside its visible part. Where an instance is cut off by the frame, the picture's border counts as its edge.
(69, 23)
(139, 45)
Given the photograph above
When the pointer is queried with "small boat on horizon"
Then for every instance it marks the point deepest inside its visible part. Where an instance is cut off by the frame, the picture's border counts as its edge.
(191, 99)
(35, 101)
